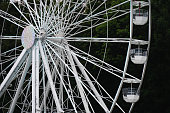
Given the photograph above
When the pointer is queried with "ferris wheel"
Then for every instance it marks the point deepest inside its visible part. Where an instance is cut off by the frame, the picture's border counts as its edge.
(44, 71)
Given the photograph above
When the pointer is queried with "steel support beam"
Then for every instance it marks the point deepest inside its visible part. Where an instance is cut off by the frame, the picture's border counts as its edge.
(49, 76)
(12, 73)
(14, 101)
(81, 90)
(98, 96)
(127, 58)
(37, 62)
(13, 19)
(33, 79)
(47, 89)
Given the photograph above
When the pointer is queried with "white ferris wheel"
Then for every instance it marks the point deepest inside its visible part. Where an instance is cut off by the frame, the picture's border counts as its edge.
(44, 71)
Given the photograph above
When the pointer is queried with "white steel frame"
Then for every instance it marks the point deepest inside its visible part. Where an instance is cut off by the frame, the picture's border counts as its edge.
(49, 77)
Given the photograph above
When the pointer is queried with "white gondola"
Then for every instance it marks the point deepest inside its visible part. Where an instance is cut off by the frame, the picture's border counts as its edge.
(130, 95)
(138, 56)
(140, 16)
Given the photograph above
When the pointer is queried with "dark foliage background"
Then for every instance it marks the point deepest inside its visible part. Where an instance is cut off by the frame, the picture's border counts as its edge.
(156, 87)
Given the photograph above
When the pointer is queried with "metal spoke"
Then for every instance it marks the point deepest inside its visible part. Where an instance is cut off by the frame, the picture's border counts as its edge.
(91, 59)
(49, 78)
(53, 74)
(8, 79)
(20, 84)
(13, 19)
(91, 39)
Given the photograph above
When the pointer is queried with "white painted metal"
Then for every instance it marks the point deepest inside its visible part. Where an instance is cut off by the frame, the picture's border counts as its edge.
(19, 10)
(12, 72)
(44, 90)
(61, 77)
(13, 104)
(90, 39)
(13, 19)
(52, 86)
(33, 79)
(68, 80)
(28, 88)
(95, 61)
(148, 48)
(15, 1)
(127, 58)
(47, 88)
(78, 83)
(90, 83)
(37, 84)
(129, 80)
(10, 37)
(76, 75)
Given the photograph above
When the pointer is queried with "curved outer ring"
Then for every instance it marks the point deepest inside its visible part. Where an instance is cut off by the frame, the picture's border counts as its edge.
(128, 55)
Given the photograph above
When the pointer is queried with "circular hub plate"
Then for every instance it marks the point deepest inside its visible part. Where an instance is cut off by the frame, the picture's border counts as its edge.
(28, 37)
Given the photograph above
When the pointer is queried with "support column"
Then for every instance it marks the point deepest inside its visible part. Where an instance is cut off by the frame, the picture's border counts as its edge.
(81, 90)
(47, 88)
(98, 96)
(62, 77)
(37, 63)
(13, 104)
(8, 79)
(0, 57)
(70, 96)
(49, 76)
(33, 79)
(44, 90)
